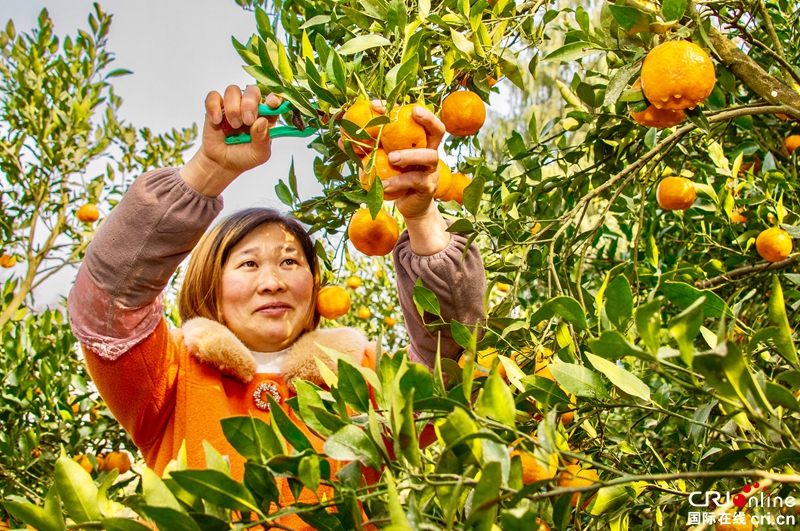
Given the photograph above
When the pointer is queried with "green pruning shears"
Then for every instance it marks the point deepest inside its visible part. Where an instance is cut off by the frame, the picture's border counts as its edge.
(242, 136)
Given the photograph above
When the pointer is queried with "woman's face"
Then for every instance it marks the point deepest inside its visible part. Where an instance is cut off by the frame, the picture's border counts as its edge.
(267, 289)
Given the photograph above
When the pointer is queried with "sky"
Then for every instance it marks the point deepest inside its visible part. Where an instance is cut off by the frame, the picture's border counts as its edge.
(178, 50)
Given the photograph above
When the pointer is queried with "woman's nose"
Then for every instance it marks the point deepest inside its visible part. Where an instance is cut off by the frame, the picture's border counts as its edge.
(270, 280)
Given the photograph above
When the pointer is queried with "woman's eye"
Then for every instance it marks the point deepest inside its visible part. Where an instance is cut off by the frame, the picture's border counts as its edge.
(290, 261)
(249, 263)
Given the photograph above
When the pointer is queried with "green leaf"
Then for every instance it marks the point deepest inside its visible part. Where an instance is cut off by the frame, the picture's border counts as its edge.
(777, 316)
(351, 443)
(486, 497)
(307, 396)
(76, 490)
(496, 401)
(473, 193)
(608, 499)
(156, 493)
(619, 302)
(673, 9)
(288, 429)
(251, 437)
(620, 377)
(629, 18)
(425, 300)
(578, 380)
(364, 42)
(683, 295)
(396, 511)
(571, 52)
(685, 326)
(463, 44)
(352, 387)
(570, 310)
(283, 193)
(459, 424)
(375, 197)
(167, 518)
(37, 517)
(543, 390)
(619, 81)
(216, 487)
(260, 481)
(784, 457)
(462, 335)
(612, 345)
(214, 459)
(648, 323)
(406, 435)
(780, 396)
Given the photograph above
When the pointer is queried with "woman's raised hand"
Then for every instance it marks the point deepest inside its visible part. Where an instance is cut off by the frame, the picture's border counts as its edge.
(217, 164)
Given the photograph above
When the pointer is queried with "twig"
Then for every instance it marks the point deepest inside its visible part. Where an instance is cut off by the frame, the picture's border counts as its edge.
(736, 273)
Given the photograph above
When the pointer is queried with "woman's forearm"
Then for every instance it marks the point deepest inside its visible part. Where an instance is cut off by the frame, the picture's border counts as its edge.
(428, 233)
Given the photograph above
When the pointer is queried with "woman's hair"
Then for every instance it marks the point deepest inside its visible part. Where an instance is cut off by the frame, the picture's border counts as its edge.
(200, 295)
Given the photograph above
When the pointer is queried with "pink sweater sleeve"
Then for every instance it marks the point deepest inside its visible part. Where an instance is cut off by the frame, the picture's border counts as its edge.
(116, 299)
(459, 283)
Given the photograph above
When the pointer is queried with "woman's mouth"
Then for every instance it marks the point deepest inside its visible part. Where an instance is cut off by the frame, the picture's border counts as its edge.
(273, 308)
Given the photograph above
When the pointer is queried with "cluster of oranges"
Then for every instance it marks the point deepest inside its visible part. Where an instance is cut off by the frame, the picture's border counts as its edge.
(463, 113)
(676, 75)
(334, 302)
(105, 463)
(573, 476)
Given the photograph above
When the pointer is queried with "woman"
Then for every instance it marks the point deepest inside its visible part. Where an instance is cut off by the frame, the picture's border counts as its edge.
(248, 298)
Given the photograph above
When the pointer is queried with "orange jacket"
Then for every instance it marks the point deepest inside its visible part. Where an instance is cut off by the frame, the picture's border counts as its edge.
(177, 385)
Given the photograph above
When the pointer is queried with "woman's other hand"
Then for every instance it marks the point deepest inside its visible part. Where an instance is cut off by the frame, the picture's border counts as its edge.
(217, 164)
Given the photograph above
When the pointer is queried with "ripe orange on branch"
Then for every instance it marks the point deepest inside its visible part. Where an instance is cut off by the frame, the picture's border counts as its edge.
(118, 460)
(445, 180)
(403, 132)
(88, 213)
(360, 113)
(463, 113)
(658, 118)
(364, 313)
(575, 476)
(676, 193)
(8, 260)
(792, 142)
(353, 282)
(532, 469)
(774, 244)
(373, 237)
(378, 164)
(677, 75)
(734, 524)
(458, 182)
(333, 302)
(84, 462)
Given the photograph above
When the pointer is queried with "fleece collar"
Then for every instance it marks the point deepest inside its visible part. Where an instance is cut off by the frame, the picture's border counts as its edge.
(213, 343)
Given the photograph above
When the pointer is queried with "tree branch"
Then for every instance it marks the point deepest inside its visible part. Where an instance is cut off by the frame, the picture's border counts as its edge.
(740, 272)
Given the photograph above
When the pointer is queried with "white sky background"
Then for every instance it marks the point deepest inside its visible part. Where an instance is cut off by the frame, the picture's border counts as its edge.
(178, 51)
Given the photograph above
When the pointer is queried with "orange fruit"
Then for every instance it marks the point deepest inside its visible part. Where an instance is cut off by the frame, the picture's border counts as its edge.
(489, 79)
(486, 357)
(774, 244)
(7, 260)
(532, 469)
(658, 118)
(333, 302)
(88, 213)
(677, 75)
(575, 476)
(541, 361)
(353, 282)
(463, 113)
(542, 525)
(502, 287)
(792, 142)
(737, 217)
(378, 164)
(455, 192)
(676, 193)
(373, 237)
(403, 132)
(364, 313)
(737, 526)
(36, 452)
(119, 460)
(84, 462)
(390, 321)
(445, 180)
(360, 113)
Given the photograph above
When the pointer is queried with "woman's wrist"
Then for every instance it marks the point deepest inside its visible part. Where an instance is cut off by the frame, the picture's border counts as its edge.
(206, 176)
(427, 233)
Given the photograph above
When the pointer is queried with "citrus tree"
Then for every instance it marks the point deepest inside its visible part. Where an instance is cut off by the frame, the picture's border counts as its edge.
(65, 159)
(639, 351)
